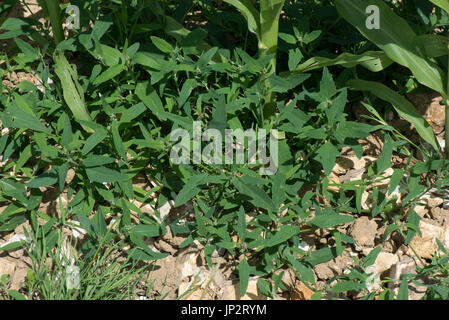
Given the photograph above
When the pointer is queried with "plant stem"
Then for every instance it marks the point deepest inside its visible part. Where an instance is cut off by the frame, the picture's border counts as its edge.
(446, 116)
(54, 12)
(446, 130)
(270, 11)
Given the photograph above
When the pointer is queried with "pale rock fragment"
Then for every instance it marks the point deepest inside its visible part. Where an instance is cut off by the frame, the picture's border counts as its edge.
(364, 231)
(426, 245)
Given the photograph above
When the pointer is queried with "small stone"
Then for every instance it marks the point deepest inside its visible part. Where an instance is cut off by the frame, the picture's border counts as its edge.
(441, 215)
(334, 181)
(232, 291)
(70, 175)
(338, 169)
(373, 282)
(18, 277)
(426, 246)
(289, 279)
(406, 266)
(7, 266)
(302, 292)
(385, 260)
(422, 211)
(434, 202)
(164, 211)
(364, 231)
(323, 271)
(187, 265)
(164, 246)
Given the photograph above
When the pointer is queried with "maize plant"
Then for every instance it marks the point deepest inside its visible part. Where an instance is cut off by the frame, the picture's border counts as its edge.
(402, 45)
(265, 25)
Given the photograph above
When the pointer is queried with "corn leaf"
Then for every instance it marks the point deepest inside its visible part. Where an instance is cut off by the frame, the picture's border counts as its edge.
(404, 108)
(372, 60)
(443, 4)
(395, 38)
(250, 13)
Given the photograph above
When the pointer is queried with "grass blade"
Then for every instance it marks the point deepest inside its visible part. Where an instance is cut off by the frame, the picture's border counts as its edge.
(395, 38)
(405, 109)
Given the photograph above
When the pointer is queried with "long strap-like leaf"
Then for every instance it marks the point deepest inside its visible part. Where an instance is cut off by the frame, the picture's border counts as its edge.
(444, 4)
(372, 60)
(395, 37)
(405, 109)
(250, 13)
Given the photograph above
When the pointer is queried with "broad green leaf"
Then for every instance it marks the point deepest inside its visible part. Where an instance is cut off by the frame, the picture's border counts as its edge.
(384, 161)
(395, 37)
(108, 74)
(102, 174)
(67, 134)
(335, 111)
(348, 285)
(328, 220)
(72, 90)
(305, 272)
(162, 45)
(279, 84)
(404, 108)
(16, 295)
(264, 287)
(186, 90)
(374, 61)
(372, 256)
(44, 180)
(151, 100)
(147, 230)
(321, 255)
(241, 225)
(219, 116)
(434, 45)
(403, 290)
(294, 57)
(30, 53)
(328, 155)
(130, 114)
(147, 60)
(111, 56)
(206, 57)
(17, 118)
(93, 141)
(281, 236)
(395, 179)
(62, 174)
(93, 160)
(258, 197)
(243, 276)
(190, 189)
(12, 245)
(117, 140)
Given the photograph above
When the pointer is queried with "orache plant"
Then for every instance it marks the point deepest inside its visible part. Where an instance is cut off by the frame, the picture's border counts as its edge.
(415, 52)
(265, 25)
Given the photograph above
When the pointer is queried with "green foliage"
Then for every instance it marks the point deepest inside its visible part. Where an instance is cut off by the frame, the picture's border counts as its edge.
(112, 92)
